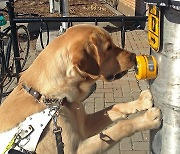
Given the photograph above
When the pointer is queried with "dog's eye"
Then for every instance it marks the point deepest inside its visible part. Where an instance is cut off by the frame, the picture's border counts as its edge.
(109, 47)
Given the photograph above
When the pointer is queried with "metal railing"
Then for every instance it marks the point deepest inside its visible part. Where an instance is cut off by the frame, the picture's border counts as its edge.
(14, 20)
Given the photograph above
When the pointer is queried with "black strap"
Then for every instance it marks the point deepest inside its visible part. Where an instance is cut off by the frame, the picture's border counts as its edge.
(59, 143)
(33, 92)
(13, 151)
(57, 130)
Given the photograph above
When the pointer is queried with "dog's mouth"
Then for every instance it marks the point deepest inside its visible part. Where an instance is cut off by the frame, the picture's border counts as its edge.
(120, 75)
(116, 76)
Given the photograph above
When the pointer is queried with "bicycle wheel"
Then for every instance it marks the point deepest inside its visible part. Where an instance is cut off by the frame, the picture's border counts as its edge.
(1, 77)
(3, 69)
(1, 81)
(8, 68)
(23, 44)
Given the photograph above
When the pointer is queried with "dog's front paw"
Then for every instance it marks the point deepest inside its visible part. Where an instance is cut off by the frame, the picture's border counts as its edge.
(145, 100)
(152, 118)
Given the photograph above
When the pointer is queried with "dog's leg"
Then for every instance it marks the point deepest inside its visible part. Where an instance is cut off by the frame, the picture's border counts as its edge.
(99, 143)
(96, 122)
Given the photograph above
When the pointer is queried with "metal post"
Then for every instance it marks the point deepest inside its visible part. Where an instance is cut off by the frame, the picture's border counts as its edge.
(14, 36)
(65, 13)
(54, 6)
(51, 6)
(166, 87)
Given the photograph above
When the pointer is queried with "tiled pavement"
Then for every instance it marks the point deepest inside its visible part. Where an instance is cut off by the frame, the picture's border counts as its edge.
(123, 90)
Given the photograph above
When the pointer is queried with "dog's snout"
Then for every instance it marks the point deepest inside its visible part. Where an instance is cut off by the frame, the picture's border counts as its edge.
(133, 56)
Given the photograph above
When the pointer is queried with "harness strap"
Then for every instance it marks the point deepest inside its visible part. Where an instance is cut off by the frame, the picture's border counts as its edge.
(12, 151)
(32, 91)
(58, 131)
(25, 136)
(37, 122)
(52, 104)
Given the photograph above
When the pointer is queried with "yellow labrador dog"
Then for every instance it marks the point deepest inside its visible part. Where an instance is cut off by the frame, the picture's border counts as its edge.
(60, 78)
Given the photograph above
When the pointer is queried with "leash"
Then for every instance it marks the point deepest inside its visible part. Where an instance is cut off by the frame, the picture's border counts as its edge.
(52, 104)
(58, 131)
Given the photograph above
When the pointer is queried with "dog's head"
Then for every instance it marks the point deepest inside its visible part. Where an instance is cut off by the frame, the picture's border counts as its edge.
(95, 54)
(70, 65)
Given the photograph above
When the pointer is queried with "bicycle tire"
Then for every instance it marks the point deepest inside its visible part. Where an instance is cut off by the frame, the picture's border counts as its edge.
(1, 94)
(8, 68)
(9, 56)
(23, 37)
(1, 75)
(3, 69)
(9, 75)
(41, 34)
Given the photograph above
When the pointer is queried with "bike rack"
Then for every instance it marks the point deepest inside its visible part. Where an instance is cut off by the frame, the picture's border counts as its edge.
(14, 20)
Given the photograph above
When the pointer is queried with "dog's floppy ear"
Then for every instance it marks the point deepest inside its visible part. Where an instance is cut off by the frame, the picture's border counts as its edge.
(86, 58)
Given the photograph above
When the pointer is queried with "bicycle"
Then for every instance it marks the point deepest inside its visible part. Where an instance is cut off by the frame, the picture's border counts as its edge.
(7, 59)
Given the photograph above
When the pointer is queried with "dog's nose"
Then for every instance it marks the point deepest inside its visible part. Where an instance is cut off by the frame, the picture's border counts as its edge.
(110, 77)
(133, 56)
